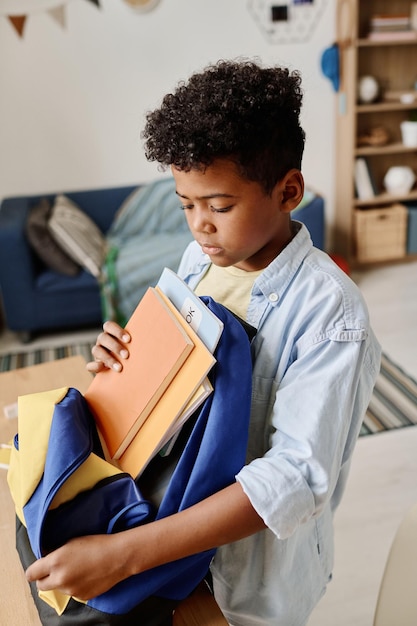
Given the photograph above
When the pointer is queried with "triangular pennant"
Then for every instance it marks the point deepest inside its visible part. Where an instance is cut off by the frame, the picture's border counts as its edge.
(96, 2)
(59, 15)
(18, 23)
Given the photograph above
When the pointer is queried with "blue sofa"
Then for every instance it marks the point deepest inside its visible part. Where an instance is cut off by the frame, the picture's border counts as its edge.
(34, 297)
(312, 214)
(37, 299)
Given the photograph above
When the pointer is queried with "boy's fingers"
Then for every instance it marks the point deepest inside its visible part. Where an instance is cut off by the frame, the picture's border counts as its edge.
(110, 348)
(106, 358)
(112, 328)
(95, 366)
(36, 571)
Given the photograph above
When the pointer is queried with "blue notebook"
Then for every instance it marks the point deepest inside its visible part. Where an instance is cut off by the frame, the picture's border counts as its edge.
(207, 325)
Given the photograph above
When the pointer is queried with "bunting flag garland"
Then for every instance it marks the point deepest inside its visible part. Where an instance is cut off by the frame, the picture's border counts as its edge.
(18, 11)
(58, 15)
(18, 23)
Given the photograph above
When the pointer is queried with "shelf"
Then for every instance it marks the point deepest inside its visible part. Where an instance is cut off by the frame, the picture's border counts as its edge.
(385, 199)
(382, 107)
(391, 58)
(390, 148)
(372, 43)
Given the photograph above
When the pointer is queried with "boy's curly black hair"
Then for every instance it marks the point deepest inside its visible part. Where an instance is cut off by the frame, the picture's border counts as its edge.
(232, 109)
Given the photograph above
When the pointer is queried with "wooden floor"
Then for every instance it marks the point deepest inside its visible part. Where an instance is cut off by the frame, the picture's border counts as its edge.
(383, 480)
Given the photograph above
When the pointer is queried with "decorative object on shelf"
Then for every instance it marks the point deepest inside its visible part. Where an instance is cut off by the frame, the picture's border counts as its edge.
(406, 97)
(289, 21)
(409, 133)
(18, 11)
(368, 89)
(374, 136)
(399, 179)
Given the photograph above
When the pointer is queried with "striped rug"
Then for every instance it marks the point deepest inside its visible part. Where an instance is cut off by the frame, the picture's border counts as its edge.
(393, 403)
(25, 359)
(394, 400)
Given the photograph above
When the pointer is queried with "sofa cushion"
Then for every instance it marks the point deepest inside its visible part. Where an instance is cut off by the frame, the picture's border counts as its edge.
(77, 235)
(50, 282)
(44, 244)
(150, 209)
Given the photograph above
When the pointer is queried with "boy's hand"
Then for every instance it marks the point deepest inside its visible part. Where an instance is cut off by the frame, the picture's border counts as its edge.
(84, 567)
(110, 349)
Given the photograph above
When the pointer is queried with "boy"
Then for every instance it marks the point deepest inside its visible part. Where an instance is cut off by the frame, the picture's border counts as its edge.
(232, 138)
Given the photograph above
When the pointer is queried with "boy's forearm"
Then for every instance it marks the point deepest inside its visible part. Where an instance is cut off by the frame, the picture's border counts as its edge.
(222, 518)
(88, 566)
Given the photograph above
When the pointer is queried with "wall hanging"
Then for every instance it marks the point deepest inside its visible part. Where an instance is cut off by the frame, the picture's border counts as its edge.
(292, 21)
(142, 5)
(18, 11)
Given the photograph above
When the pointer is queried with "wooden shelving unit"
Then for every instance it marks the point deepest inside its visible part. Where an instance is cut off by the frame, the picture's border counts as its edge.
(393, 63)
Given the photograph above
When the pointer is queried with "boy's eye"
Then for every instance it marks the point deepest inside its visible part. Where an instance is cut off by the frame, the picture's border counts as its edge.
(221, 209)
(185, 207)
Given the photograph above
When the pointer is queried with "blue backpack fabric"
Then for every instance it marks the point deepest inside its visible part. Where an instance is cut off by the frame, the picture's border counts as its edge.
(213, 454)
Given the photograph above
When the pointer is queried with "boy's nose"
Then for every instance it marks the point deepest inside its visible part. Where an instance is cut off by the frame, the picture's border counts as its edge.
(200, 222)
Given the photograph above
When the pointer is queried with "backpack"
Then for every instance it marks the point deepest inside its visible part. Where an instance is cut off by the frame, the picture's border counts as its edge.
(68, 489)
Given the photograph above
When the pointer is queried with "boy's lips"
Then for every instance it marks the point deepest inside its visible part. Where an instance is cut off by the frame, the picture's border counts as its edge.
(210, 249)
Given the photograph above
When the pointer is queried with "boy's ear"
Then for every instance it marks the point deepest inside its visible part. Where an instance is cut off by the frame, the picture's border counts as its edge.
(292, 189)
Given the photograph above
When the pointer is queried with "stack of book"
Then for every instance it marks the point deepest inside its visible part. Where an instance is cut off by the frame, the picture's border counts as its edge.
(140, 410)
(364, 183)
(391, 27)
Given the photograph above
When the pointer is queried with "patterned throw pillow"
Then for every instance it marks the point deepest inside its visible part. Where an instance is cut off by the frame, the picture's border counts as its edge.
(77, 234)
(43, 243)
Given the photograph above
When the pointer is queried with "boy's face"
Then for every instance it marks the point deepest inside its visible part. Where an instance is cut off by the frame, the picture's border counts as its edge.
(233, 219)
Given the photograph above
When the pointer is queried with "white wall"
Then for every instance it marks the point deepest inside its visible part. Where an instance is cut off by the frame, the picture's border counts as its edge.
(72, 101)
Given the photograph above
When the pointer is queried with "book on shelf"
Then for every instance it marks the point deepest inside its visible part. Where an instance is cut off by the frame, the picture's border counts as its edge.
(394, 35)
(364, 184)
(389, 27)
(122, 401)
(186, 393)
(382, 21)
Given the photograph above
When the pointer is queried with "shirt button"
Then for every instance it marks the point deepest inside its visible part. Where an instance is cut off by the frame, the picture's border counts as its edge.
(273, 297)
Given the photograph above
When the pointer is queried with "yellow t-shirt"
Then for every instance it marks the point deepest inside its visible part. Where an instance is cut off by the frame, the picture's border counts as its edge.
(230, 286)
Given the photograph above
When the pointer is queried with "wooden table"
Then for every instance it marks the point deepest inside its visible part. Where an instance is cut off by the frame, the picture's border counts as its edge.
(16, 604)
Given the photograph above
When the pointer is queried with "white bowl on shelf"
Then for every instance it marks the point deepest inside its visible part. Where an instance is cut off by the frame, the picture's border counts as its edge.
(399, 179)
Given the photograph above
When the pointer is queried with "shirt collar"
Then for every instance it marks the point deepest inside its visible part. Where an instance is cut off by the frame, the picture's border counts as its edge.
(281, 271)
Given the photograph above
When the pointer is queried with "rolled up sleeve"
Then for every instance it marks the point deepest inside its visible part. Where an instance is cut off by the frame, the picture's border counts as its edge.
(315, 420)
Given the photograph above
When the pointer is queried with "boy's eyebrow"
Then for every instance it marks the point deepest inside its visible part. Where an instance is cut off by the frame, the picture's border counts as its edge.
(208, 196)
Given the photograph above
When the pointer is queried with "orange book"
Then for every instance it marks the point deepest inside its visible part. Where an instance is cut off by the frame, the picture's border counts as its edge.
(122, 401)
(167, 415)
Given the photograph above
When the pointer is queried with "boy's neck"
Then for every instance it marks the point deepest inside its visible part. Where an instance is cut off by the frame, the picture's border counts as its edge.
(261, 261)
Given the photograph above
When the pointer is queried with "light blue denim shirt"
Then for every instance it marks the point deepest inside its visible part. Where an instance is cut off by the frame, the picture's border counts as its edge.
(315, 361)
